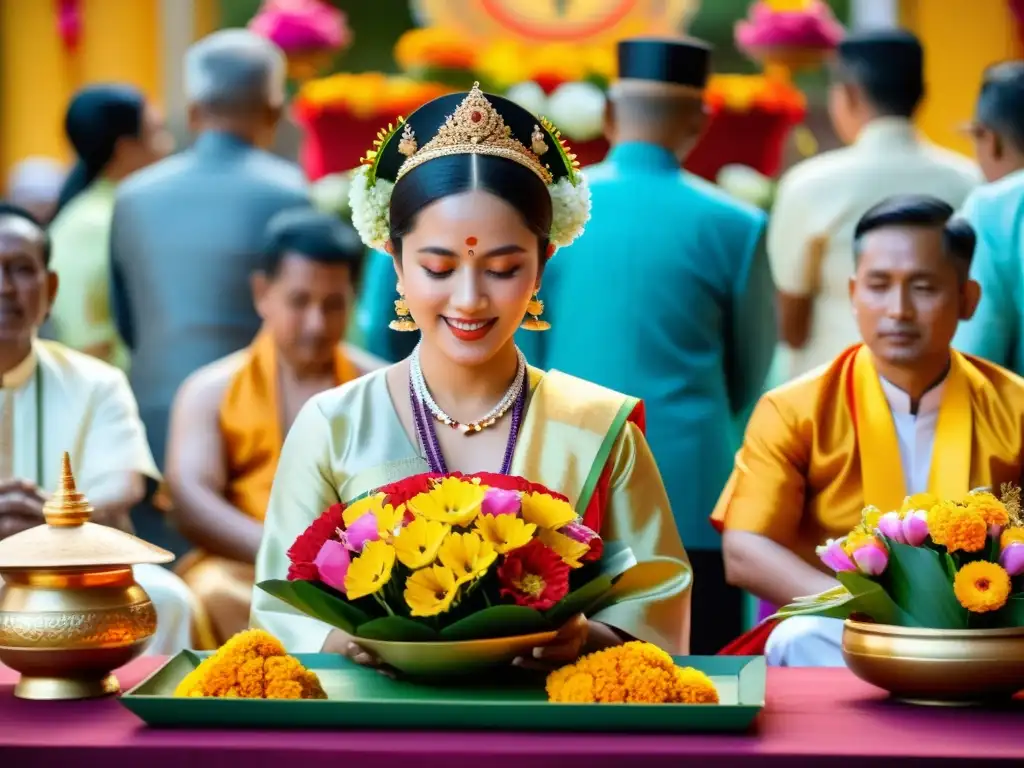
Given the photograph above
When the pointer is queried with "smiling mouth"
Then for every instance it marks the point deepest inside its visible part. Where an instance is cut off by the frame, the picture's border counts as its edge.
(469, 330)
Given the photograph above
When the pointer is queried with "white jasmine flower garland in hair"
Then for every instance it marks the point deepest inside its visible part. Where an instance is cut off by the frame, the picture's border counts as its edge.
(570, 209)
(371, 208)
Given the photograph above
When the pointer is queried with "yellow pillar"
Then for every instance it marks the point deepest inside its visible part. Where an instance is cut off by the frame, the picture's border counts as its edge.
(120, 42)
(961, 38)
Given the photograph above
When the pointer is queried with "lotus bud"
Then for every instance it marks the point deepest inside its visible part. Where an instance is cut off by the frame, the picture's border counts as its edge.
(361, 531)
(915, 527)
(890, 525)
(834, 556)
(332, 562)
(1012, 558)
(577, 531)
(871, 558)
(501, 502)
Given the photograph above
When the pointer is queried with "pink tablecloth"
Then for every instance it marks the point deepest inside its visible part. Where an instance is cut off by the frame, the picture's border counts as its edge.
(812, 718)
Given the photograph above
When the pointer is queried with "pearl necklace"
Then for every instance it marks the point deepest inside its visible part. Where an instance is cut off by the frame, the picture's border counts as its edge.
(419, 387)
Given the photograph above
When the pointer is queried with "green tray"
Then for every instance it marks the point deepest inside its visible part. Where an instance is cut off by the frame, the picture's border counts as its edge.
(511, 701)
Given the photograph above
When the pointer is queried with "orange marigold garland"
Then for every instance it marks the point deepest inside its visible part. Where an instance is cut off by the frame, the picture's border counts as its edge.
(251, 665)
(632, 673)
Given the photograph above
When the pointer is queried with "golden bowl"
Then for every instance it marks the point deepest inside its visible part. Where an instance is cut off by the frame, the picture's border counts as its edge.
(442, 659)
(70, 609)
(937, 666)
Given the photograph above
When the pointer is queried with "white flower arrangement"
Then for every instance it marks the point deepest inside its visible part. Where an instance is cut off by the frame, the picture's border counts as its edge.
(576, 108)
(371, 208)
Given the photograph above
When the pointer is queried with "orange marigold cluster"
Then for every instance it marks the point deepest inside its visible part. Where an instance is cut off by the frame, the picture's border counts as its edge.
(957, 526)
(632, 673)
(251, 665)
(991, 509)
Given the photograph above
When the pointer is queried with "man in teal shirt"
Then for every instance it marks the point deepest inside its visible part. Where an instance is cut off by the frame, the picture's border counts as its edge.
(668, 297)
(996, 211)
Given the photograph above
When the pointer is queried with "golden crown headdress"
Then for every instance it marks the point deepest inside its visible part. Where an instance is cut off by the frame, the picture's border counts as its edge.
(475, 127)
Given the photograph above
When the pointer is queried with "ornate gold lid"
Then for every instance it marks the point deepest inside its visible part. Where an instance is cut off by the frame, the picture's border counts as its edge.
(69, 540)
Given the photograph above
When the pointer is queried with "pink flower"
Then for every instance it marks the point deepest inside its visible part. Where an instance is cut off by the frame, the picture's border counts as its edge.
(577, 531)
(871, 558)
(1012, 558)
(834, 556)
(299, 25)
(915, 527)
(362, 530)
(332, 564)
(501, 502)
(891, 526)
(995, 530)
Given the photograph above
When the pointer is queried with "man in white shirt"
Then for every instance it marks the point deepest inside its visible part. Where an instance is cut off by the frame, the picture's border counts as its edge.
(877, 86)
(53, 399)
(900, 414)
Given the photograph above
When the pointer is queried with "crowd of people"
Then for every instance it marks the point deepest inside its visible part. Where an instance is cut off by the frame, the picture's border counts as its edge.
(177, 321)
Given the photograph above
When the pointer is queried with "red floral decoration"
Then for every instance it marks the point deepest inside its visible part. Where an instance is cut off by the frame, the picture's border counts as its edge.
(308, 545)
(534, 575)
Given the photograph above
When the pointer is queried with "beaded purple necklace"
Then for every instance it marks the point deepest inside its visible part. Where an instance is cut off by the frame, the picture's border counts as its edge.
(432, 447)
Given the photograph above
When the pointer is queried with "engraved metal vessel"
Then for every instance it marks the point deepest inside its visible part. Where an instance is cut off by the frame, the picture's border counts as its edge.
(70, 610)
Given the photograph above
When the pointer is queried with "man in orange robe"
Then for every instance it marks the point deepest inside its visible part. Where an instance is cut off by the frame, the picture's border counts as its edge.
(900, 414)
(230, 417)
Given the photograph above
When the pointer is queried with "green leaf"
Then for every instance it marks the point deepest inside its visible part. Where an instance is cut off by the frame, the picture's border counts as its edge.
(397, 629)
(308, 598)
(857, 595)
(580, 601)
(950, 564)
(1011, 614)
(498, 621)
(921, 587)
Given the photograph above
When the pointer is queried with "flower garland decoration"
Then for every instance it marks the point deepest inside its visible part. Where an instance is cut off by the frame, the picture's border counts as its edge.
(632, 673)
(251, 665)
(475, 127)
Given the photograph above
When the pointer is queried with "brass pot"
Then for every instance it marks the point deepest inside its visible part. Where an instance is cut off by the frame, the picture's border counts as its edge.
(70, 609)
(951, 667)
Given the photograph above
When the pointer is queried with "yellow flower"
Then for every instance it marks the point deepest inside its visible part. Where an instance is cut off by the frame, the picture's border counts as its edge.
(357, 509)
(982, 586)
(634, 673)
(389, 518)
(870, 517)
(434, 47)
(467, 555)
(546, 511)
(991, 509)
(504, 532)
(566, 548)
(430, 591)
(451, 501)
(1010, 536)
(251, 665)
(923, 501)
(957, 527)
(417, 544)
(857, 538)
(370, 571)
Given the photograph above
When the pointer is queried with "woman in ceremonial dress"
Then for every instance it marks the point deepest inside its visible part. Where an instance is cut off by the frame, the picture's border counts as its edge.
(471, 196)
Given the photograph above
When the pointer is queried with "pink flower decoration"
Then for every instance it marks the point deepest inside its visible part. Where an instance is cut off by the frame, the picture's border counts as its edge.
(577, 531)
(362, 530)
(501, 502)
(302, 25)
(814, 27)
(891, 526)
(1012, 558)
(871, 559)
(332, 562)
(834, 556)
(915, 528)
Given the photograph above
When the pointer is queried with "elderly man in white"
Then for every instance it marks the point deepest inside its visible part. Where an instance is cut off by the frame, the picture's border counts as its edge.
(53, 399)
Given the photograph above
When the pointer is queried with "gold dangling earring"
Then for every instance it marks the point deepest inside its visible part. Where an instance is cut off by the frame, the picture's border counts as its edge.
(404, 321)
(535, 309)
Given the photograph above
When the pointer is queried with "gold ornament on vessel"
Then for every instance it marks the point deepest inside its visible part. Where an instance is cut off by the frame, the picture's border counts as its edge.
(70, 609)
(476, 127)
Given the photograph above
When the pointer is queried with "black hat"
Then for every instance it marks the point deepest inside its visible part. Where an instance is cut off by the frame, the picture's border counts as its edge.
(896, 51)
(675, 61)
(425, 123)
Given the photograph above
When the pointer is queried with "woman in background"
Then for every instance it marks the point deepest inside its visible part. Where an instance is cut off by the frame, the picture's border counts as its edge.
(114, 133)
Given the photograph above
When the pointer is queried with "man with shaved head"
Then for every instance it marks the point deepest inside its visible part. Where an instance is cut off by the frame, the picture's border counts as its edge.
(187, 230)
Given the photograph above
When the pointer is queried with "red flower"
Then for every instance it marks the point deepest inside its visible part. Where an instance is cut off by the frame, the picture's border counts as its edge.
(309, 543)
(534, 575)
(403, 490)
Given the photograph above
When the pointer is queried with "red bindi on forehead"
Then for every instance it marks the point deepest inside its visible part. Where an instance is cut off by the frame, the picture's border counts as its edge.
(471, 241)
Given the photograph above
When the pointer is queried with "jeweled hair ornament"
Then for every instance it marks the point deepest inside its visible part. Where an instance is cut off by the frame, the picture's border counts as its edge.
(470, 123)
